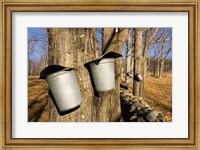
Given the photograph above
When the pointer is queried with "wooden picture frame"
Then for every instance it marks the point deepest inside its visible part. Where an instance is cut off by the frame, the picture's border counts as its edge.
(9, 6)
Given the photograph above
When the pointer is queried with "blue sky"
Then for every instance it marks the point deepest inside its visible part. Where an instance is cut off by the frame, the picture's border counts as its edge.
(41, 41)
(40, 37)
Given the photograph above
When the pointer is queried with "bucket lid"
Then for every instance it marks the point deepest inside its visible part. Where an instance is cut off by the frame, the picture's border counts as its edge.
(110, 54)
(53, 69)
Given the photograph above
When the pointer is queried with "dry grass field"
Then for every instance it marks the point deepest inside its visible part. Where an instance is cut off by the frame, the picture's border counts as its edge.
(37, 100)
(158, 93)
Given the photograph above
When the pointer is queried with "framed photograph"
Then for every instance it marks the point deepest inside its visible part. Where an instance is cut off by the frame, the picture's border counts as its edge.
(107, 75)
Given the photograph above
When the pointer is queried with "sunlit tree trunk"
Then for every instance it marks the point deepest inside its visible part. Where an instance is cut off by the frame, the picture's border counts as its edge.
(138, 62)
(161, 68)
(124, 37)
(72, 48)
(108, 106)
(67, 48)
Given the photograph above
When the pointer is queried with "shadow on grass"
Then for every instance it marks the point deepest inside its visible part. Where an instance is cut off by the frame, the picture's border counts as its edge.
(37, 106)
(36, 116)
(36, 100)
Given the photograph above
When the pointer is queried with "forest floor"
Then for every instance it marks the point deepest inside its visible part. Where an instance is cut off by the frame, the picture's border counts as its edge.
(158, 94)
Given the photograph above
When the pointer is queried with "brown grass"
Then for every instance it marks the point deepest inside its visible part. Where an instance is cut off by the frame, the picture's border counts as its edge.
(158, 94)
(37, 100)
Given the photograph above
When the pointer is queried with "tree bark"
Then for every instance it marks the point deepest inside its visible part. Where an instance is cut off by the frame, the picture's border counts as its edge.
(73, 48)
(124, 36)
(108, 105)
(161, 68)
(67, 48)
(138, 63)
(146, 47)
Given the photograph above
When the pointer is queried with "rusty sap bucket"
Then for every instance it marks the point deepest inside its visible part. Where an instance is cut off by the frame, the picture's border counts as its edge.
(64, 88)
(102, 71)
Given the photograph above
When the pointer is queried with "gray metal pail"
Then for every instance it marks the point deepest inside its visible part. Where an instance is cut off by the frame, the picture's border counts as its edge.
(65, 89)
(138, 77)
(103, 74)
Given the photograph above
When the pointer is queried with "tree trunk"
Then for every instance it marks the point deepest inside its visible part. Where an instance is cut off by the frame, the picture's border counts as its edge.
(161, 68)
(109, 102)
(149, 66)
(129, 64)
(138, 63)
(145, 59)
(161, 60)
(129, 80)
(29, 67)
(157, 67)
(72, 48)
(146, 53)
(124, 36)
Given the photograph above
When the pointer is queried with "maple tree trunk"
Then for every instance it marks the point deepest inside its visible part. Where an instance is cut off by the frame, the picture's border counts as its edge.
(146, 53)
(124, 36)
(145, 59)
(73, 48)
(108, 108)
(138, 63)
(161, 68)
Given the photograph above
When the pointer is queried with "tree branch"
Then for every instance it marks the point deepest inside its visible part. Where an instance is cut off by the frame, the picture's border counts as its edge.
(158, 41)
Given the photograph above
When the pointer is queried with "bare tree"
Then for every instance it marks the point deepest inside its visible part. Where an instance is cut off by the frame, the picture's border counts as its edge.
(152, 36)
(164, 53)
(30, 52)
(148, 40)
(162, 48)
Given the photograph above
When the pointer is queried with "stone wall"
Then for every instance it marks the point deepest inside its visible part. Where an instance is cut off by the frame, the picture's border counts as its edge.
(135, 109)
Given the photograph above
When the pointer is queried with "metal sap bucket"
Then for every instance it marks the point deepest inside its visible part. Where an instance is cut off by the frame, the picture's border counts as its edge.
(102, 71)
(65, 89)
(103, 74)
(138, 77)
